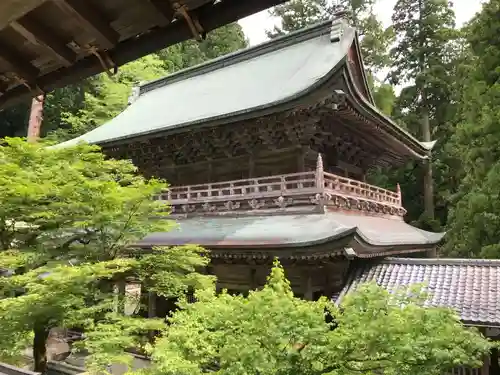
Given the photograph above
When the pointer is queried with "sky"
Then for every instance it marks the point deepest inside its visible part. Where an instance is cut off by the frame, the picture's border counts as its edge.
(255, 26)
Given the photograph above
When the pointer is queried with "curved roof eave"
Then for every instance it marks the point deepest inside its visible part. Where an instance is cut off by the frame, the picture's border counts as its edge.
(420, 149)
(346, 234)
(284, 103)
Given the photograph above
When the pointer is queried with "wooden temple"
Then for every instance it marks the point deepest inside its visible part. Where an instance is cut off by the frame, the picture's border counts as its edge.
(267, 152)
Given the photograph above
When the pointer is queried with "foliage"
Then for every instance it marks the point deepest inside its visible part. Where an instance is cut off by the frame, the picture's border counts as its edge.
(474, 223)
(219, 42)
(67, 221)
(385, 97)
(272, 332)
(105, 97)
(375, 40)
(73, 201)
(297, 14)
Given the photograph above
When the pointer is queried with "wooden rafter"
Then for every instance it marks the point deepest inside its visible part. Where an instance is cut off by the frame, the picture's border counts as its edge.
(17, 63)
(37, 34)
(164, 7)
(92, 20)
(210, 15)
(11, 10)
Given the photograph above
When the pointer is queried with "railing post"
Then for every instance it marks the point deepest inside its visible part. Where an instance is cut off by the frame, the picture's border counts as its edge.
(320, 175)
(400, 198)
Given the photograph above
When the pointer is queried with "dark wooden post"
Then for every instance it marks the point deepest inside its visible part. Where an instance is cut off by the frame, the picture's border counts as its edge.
(121, 289)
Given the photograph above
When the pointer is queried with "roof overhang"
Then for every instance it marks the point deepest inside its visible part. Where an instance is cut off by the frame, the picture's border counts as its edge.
(154, 25)
(346, 234)
(312, 65)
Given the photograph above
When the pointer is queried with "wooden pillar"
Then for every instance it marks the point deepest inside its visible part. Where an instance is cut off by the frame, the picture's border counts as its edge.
(253, 279)
(121, 287)
(308, 292)
(36, 117)
(210, 171)
(494, 365)
(251, 166)
(151, 305)
(301, 159)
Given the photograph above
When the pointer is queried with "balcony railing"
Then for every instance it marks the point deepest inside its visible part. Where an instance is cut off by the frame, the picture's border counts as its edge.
(283, 189)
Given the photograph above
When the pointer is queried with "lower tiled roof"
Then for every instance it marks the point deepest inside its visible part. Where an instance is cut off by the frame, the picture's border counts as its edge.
(470, 286)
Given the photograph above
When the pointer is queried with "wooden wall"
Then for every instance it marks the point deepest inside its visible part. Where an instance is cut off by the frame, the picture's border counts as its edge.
(264, 163)
(306, 280)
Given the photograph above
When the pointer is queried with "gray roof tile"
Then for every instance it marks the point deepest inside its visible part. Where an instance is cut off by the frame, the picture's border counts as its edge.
(471, 287)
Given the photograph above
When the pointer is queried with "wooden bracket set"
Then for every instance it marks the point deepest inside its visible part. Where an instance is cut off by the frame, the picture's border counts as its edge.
(194, 24)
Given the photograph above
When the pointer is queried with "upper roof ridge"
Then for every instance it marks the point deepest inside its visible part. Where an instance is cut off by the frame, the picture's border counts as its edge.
(334, 27)
(443, 261)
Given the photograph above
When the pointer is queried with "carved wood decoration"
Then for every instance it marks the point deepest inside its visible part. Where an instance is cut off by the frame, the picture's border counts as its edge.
(302, 191)
(331, 128)
(210, 168)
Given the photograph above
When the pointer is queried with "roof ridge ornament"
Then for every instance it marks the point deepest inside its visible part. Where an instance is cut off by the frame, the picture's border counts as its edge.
(134, 94)
(339, 26)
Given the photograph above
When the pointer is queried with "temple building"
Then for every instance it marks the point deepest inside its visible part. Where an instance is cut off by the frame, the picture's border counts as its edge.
(267, 152)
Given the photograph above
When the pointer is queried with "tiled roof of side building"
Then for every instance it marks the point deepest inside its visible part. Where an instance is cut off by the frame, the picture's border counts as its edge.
(293, 230)
(470, 286)
(259, 80)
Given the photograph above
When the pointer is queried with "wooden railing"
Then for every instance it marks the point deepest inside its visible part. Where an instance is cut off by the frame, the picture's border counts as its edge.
(282, 185)
(248, 189)
(358, 189)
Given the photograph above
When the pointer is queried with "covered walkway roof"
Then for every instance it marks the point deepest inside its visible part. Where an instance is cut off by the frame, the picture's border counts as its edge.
(469, 286)
(45, 44)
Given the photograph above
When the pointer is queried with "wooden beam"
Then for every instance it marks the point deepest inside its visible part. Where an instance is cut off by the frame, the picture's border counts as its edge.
(3, 86)
(92, 20)
(210, 16)
(11, 10)
(39, 35)
(17, 63)
(164, 7)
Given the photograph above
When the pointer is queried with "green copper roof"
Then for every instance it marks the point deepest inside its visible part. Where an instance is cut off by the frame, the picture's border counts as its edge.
(246, 81)
(292, 231)
(256, 79)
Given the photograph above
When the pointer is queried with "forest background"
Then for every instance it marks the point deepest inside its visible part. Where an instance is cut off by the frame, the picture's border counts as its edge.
(448, 91)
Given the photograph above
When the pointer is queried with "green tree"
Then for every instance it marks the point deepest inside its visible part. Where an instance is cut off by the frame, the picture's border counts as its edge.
(105, 97)
(426, 30)
(474, 222)
(219, 42)
(272, 332)
(385, 98)
(68, 220)
(375, 39)
(297, 14)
